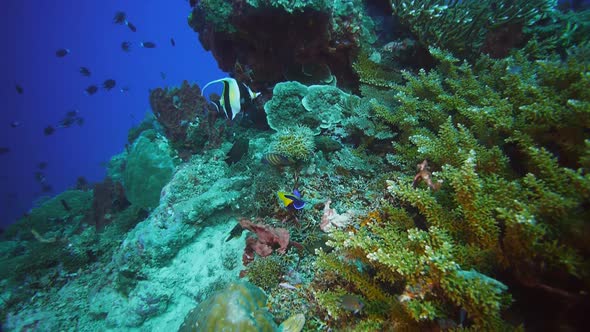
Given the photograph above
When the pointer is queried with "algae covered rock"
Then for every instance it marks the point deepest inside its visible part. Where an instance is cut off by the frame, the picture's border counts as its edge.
(239, 307)
(149, 167)
(50, 214)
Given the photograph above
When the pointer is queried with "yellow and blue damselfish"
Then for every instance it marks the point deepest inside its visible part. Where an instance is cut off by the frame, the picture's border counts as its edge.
(291, 200)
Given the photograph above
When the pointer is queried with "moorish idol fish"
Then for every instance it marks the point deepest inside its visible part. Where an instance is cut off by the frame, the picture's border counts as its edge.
(231, 100)
(251, 93)
(291, 200)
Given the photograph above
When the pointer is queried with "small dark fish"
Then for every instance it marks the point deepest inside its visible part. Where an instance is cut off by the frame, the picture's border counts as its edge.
(172, 42)
(277, 159)
(4, 150)
(351, 303)
(46, 188)
(148, 44)
(235, 232)
(49, 130)
(65, 205)
(91, 90)
(131, 26)
(62, 52)
(19, 89)
(82, 183)
(67, 122)
(80, 121)
(16, 124)
(72, 113)
(40, 177)
(124, 89)
(109, 84)
(237, 151)
(163, 75)
(42, 165)
(126, 46)
(120, 18)
(85, 71)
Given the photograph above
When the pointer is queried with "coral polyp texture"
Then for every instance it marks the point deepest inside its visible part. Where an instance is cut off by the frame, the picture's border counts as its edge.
(408, 165)
(296, 143)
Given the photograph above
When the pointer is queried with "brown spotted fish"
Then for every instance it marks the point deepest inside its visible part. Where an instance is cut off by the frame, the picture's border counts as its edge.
(351, 303)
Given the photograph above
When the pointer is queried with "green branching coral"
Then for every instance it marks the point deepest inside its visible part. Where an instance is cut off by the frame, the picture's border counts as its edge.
(506, 139)
(423, 268)
(462, 26)
(372, 73)
(562, 30)
(493, 100)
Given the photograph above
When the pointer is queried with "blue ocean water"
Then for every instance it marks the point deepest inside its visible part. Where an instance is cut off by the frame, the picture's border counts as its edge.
(32, 31)
(258, 204)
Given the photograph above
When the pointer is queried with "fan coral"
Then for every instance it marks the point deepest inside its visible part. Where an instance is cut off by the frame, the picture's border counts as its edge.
(109, 197)
(179, 110)
(150, 165)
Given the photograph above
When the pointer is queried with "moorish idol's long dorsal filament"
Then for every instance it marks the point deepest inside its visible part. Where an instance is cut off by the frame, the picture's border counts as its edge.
(230, 97)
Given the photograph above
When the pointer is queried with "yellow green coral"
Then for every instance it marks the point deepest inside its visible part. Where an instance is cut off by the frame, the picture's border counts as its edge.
(296, 142)
(506, 139)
